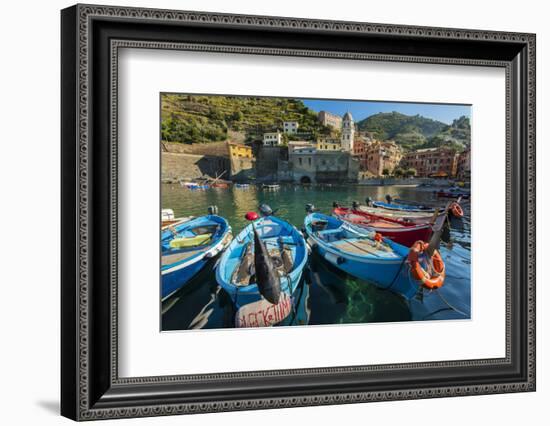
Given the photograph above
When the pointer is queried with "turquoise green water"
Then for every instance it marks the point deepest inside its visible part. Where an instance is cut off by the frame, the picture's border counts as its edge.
(327, 295)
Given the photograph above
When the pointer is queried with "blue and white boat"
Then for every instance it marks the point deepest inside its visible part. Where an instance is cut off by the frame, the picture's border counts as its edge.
(286, 247)
(187, 246)
(404, 207)
(361, 253)
(242, 185)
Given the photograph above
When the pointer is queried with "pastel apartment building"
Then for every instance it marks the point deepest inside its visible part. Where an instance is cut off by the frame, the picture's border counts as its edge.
(432, 162)
(272, 139)
(290, 127)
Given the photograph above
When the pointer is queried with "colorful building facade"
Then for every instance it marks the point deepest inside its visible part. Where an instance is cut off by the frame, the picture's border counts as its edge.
(382, 155)
(432, 162)
(464, 165)
(328, 144)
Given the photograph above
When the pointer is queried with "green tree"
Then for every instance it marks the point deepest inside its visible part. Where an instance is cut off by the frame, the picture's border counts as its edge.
(398, 172)
(386, 172)
(410, 172)
(284, 139)
(237, 116)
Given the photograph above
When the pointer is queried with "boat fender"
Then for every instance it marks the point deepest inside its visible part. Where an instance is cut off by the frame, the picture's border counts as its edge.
(251, 216)
(433, 281)
(456, 210)
(378, 237)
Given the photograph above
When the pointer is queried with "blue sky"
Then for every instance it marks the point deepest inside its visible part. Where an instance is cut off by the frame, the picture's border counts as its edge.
(363, 109)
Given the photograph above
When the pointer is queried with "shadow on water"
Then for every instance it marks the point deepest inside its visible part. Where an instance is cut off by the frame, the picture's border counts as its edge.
(326, 295)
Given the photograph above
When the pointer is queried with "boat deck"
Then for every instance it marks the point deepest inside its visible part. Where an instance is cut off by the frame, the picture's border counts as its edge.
(169, 259)
(364, 247)
(361, 220)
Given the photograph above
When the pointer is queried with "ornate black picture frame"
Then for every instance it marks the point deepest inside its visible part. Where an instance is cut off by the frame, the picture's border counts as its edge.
(91, 37)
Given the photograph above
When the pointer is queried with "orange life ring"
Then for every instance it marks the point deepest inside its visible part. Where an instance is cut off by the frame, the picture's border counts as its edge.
(456, 210)
(429, 281)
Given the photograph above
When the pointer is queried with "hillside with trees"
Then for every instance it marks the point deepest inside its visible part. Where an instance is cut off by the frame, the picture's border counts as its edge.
(202, 119)
(416, 131)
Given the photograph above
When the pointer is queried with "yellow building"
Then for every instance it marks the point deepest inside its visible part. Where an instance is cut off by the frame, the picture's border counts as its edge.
(239, 151)
(328, 145)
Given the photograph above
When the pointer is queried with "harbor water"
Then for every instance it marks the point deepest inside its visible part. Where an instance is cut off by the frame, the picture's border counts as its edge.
(326, 295)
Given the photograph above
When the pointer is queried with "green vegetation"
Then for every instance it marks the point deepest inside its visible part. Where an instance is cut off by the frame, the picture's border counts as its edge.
(398, 172)
(415, 131)
(203, 119)
(410, 172)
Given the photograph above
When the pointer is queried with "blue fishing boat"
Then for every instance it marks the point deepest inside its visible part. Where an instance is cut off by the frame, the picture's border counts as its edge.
(404, 207)
(368, 256)
(237, 271)
(187, 246)
(401, 206)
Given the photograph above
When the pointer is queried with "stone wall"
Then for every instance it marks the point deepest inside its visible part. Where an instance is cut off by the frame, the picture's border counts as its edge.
(242, 169)
(267, 162)
(213, 148)
(176, 166)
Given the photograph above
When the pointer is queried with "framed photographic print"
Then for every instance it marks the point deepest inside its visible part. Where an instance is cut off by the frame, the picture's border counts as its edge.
(264, 212)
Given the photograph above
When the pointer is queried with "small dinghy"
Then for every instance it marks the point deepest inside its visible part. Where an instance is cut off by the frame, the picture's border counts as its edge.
(401, 231)
(271, 187)
(168, 218)
(187, 246)
(263, 263)
(370, 257)
(453, 193)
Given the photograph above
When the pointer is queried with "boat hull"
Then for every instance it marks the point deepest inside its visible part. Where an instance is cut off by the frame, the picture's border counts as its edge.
(187, 263)
(389, 274)
(176, 279)
(391, 228)
(413, 217)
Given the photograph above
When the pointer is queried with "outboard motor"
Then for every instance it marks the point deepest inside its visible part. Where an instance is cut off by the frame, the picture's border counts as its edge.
(368, 200)
(335, 205)
(265, 210)
(310, 208)
(212, 209)
(388, 198)
(355, 205)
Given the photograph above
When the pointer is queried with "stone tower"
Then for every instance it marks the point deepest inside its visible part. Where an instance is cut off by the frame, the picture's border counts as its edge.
(348, 132)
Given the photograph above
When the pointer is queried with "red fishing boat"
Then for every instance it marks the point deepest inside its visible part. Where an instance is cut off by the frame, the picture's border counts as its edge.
(401, 231)
(221, 185)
